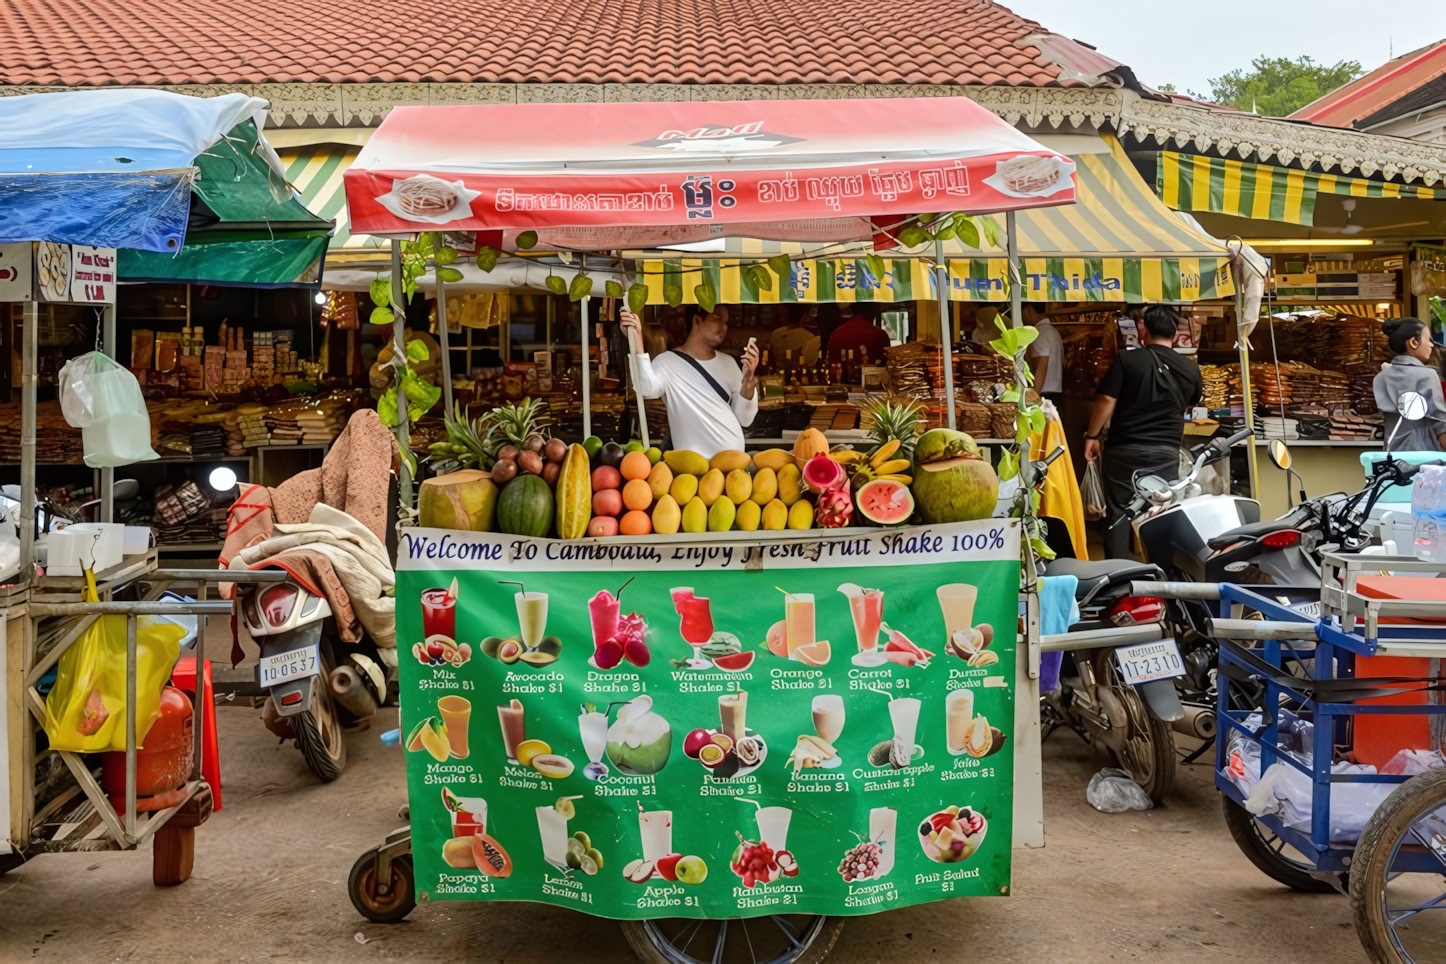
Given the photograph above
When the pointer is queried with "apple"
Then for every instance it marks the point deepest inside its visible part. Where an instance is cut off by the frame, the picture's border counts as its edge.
(695, 741)
(435, 649)
(639, 871)
(668, 866)
(692, 870)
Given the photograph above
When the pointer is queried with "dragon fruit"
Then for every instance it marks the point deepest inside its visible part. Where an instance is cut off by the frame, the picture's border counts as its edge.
(834, 508)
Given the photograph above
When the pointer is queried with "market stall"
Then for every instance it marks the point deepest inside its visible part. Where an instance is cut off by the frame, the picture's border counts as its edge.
(613, 176)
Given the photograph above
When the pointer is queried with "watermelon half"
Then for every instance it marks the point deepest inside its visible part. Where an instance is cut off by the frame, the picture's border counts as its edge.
(885, 502)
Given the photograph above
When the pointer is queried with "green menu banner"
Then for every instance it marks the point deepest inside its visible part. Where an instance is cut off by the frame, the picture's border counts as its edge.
(650, 728)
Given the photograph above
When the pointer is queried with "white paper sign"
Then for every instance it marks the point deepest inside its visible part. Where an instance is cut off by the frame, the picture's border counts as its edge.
(15, 271)
(92, 275)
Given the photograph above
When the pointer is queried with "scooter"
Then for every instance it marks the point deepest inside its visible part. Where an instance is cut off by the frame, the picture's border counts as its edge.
(1112, 693)
(312, 696)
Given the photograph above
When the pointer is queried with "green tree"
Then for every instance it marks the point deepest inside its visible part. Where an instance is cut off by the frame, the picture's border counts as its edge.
(1277, 86)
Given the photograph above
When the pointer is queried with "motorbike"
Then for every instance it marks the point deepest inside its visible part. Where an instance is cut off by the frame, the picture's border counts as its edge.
(316, 686)
(1110, 691)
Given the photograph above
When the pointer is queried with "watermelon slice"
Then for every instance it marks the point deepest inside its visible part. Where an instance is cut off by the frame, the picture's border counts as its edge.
(735, 662)
(885, 502)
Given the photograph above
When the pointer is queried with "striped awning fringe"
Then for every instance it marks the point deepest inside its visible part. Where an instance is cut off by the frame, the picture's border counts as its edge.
(316, 173)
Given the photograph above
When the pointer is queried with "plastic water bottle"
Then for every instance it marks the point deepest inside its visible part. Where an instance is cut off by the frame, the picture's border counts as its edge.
(392, 737)
(1428, 513)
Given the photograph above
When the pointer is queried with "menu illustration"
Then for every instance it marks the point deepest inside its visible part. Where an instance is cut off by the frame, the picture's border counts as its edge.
(738, 730)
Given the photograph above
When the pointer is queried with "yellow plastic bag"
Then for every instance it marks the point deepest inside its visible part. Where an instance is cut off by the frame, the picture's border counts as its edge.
(86, 709)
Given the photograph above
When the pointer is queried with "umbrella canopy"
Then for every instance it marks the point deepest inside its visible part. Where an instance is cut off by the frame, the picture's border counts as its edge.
(726, 167)
(110, 168)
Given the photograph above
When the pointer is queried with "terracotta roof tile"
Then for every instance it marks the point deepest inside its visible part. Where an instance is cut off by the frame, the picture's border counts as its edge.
(78, 43)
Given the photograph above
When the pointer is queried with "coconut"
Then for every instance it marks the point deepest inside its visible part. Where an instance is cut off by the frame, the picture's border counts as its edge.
(952, 482)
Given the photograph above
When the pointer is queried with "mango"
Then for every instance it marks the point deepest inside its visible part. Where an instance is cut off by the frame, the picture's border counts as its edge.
(710, 487)
(765, 486)
(790, 484)
(774, 459)
(738, 485)
(660, 480)
(666, 514)
(684, 488)
(800, 515)
(775, 516)
(749, 515)
(721, 516)
(683, 462)
(695, 516)
(728, 460)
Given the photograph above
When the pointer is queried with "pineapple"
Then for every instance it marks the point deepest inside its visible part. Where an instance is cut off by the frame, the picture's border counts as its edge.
(469, 444)
(520, 422)
(889, 419)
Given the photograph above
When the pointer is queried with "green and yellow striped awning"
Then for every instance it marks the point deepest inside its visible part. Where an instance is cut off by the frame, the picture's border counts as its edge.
(1116, 243)
(316, 173)
(1191, 182)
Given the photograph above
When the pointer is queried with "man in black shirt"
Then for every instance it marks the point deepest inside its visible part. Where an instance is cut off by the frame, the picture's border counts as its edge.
(1144, 397)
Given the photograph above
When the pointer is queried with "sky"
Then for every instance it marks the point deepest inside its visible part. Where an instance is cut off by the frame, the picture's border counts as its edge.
(1168, 41)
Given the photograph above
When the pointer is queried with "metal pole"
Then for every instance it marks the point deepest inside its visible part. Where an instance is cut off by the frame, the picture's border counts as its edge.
(446, 347)
(107, 474)
(131, 728)
(399, 346)
(1242, 342)
(632, 373)
(946, 330)
(1016, 280)
(30, 321)
(586, 374)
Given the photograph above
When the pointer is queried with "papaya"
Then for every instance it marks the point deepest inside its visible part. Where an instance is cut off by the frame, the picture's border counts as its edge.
(765, 486)
(775, 516)
(729, 460)
(810, 442)
(800, 515)
(683, 462)
(790, 484)
(748, 517)
(667, 517)
(695, 516)
(683, 489)
(458, 500)
(710, 487)
(774, 459)
(738, 485)
(721, 516)
(660, 480)
(574, 494)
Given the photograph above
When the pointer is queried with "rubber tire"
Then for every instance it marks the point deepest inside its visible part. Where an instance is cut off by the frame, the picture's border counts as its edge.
(1241, 824)
(1407, 803)
(828, 935)
(1162, 742)
(321, 761)
(362, 879)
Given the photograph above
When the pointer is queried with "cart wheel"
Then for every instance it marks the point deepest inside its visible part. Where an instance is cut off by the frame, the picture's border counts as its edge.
(1398, 873)
(781, 939)
(1149, 752)
(388, 908)
(318, 734)
(1269, 853)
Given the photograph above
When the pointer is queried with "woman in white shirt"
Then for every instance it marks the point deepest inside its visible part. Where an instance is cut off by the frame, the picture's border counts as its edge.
(710, 399)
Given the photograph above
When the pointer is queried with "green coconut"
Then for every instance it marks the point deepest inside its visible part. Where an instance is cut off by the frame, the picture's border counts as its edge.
(459, 500)
(952, 482)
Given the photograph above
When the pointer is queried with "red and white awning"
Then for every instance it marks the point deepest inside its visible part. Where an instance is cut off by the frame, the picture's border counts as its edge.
(695, 170)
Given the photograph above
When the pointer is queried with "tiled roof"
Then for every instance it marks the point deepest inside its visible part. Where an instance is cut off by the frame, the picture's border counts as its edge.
(78, 43)
(1378, 90)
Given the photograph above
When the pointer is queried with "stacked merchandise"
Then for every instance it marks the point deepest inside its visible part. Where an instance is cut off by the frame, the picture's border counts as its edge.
(319, 425)
(214, 367)
(915, 369)
(991, 368)
(1001, 419)
(263, 357)
(974, 418)
(252, 421)
(207, 441)
(235, 438)
(1215, 380)
(1273, 426)
(1355, 428)
(55, 440)
(835, 418)
(184, 516)
(1362, 390)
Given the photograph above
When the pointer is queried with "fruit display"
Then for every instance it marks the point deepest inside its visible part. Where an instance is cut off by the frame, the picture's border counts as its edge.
(952, 482)
(953, 834)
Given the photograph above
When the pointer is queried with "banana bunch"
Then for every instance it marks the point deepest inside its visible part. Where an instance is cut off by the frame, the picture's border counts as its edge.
(863, 468)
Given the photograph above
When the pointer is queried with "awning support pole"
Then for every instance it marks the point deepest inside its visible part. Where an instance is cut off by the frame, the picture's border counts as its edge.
(107, 345)
(586, 375)
(29, 322)
(946, 331)
(1016, 280)
(399, 346)
(446, 348)
(1243, 343)
(632, 373)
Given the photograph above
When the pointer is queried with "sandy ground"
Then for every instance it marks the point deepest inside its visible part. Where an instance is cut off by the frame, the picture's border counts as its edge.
(270, 885)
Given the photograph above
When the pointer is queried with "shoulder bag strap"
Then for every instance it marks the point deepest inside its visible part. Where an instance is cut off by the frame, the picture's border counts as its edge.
(722, 393)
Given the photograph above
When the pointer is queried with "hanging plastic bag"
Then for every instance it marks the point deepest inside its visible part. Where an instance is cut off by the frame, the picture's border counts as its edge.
(1092, 492)
(85, 712)
(104, 401)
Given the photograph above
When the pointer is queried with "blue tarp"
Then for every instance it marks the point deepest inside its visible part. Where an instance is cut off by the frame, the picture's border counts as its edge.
(111, 168)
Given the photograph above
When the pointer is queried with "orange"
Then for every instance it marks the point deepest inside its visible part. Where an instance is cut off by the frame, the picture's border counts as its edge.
(813, 654)
(777, 643)
(636, 523)
(637, 494)
(635, 465)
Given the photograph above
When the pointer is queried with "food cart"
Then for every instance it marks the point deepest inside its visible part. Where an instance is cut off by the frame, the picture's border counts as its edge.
(893, 726)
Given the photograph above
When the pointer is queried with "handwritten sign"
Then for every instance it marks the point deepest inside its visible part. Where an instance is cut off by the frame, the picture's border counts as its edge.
(15, 271)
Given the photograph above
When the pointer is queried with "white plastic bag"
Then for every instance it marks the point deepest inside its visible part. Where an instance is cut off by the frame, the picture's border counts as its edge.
(1092, 492)
(104, 401)
(1115, 791)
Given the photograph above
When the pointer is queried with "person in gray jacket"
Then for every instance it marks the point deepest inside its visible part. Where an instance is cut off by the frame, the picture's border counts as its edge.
(1410, 371)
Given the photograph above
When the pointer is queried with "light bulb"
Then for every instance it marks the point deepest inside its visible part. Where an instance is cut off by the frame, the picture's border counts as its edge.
(321, 297)
(222, 479)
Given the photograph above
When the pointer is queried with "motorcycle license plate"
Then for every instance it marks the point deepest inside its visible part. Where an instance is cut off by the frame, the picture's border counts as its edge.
(293, 665)
(1147, 662)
